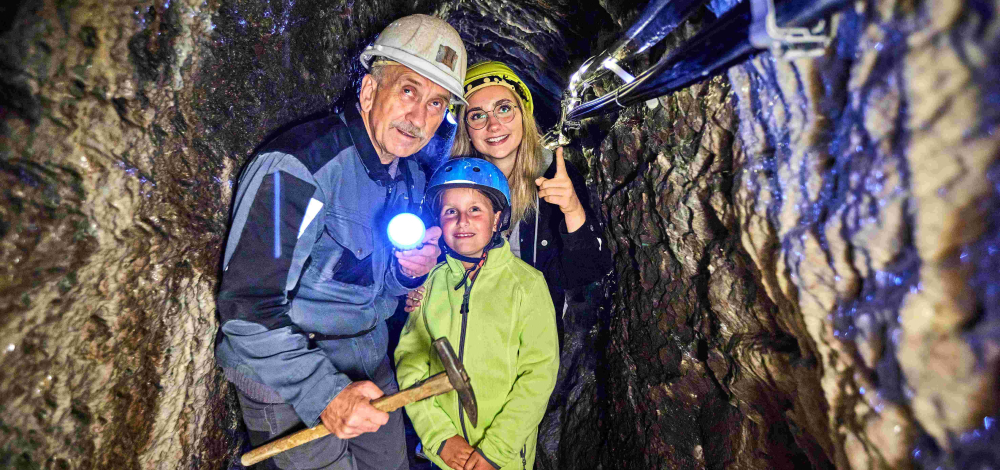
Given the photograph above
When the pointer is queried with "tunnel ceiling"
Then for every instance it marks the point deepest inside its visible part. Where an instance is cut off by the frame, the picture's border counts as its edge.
(543, 41)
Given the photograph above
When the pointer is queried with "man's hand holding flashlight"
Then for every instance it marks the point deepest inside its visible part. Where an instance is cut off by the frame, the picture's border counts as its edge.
(419, 261)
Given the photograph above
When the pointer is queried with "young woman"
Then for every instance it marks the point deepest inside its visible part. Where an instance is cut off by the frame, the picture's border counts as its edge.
(553, 227)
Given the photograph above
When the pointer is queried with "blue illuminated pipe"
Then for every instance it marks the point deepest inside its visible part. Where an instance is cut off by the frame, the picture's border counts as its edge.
(718, 46)
(406, 231)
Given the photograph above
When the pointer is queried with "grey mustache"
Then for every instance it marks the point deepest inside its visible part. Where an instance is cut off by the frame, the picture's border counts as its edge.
(408, 128)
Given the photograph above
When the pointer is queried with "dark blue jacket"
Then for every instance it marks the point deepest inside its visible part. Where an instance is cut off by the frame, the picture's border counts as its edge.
(568, 260)
(309, 276)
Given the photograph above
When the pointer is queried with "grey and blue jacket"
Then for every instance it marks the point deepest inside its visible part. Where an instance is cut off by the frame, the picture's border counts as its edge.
(308, 275)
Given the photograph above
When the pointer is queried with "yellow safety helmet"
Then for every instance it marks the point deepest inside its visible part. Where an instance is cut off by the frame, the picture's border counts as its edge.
(491, 73)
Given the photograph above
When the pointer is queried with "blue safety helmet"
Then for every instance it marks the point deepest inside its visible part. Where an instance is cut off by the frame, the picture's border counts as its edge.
(475, 173)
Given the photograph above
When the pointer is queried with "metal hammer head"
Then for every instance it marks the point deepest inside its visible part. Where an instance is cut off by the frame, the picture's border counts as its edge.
(458, 378)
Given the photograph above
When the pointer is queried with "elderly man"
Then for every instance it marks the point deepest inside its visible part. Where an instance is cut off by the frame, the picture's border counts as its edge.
(309, 276)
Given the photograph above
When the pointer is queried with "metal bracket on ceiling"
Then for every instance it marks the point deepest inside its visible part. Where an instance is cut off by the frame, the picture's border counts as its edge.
(788, 42)
(556, 137)
(627, 78)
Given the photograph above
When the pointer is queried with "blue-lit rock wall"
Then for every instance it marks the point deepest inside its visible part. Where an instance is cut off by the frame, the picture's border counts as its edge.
(807, 254)
(867, 185)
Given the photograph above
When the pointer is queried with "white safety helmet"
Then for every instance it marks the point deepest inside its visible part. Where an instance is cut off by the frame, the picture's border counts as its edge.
(428, 46)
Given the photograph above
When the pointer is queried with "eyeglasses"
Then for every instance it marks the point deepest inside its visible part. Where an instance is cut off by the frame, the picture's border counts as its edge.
(503, 111)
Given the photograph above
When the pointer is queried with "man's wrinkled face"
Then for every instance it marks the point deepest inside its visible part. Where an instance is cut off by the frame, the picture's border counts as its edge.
(403, 112)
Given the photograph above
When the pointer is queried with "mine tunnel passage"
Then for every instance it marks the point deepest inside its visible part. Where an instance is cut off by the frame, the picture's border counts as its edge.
(790, 214)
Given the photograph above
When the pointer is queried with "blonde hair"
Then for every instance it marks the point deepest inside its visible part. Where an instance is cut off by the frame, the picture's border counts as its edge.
(528, 166)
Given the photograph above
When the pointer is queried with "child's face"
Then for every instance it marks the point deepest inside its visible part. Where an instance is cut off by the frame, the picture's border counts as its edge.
(467, 220)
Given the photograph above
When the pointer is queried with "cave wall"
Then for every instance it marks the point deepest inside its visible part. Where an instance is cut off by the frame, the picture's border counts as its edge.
(806, 252)
(705, 371)
(875, 205)
(124, 124)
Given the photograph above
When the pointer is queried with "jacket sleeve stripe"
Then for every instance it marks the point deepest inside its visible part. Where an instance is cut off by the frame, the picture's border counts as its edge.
(311, 212)
(277, 214)
(254, 284)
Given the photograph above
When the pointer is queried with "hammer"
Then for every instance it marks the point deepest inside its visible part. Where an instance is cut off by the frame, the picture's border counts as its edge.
(453, 378)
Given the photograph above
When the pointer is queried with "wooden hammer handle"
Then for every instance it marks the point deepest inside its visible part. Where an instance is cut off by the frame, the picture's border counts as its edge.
(435, 385)
(273, 448)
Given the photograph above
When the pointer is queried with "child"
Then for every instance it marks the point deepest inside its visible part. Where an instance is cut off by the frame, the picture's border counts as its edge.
(497, 313)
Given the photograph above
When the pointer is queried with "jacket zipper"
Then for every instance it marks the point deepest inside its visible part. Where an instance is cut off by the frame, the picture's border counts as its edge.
(468, 280)
(461, 348)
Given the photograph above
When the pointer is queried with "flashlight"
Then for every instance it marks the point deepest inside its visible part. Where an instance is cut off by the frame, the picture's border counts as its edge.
(406, 231)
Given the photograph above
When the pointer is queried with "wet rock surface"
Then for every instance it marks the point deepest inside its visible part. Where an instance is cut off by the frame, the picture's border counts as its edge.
(802, 252)
(865, 203)
(124, 125)
(543, 41)
(705, 371)
(807, 252)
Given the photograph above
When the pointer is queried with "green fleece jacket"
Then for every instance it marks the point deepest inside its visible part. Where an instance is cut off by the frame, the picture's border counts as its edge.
(510, 349)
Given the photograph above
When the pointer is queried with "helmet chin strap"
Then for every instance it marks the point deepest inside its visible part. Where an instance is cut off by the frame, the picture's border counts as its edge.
(496, 241)
(476, 262)
(461, 257)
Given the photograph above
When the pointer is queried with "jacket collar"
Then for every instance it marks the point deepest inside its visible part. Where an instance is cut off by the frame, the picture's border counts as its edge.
(499, 256)
(366, 151)
(548, 158)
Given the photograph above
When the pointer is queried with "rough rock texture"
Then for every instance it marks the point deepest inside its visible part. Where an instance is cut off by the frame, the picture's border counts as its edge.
(867, 192)
(807, 252)
(123, 126)
(704, 371)
(807, 255)
(541, 41)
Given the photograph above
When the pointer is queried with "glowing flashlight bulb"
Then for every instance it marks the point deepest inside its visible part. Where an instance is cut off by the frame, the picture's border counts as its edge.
(406, 231)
